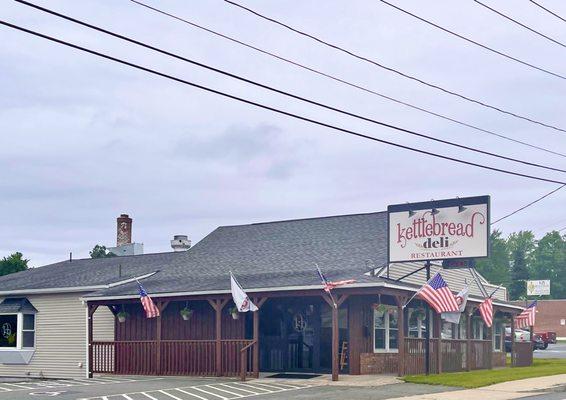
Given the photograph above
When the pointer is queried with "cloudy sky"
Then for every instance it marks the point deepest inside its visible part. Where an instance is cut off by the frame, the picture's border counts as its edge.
(83, 139)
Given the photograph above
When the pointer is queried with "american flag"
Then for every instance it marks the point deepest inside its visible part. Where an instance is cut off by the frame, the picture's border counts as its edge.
(486, 311)
(151, 310)
(328, 285)
(527, 317)
(437, 293)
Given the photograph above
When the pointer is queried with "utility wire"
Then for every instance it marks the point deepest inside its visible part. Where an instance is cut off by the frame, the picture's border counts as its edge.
(547, 10)
(528, 205)
(483, 46)
(273, 109)
(520, 24)
(340, 80)
(390, 69)
(279, 91)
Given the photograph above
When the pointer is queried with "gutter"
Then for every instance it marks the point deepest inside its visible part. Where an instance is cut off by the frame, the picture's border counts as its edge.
(72, 289)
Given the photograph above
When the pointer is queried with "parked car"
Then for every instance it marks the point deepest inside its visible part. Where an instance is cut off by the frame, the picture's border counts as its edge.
(524, 336)
(547, 338)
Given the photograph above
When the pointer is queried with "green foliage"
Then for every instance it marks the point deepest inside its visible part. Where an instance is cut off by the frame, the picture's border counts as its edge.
(496, 267)
(14, 263)
(479, 378)
(99, 251)
(550, 263)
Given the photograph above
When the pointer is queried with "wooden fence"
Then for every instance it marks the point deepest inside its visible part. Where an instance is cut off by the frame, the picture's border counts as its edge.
(170, 357)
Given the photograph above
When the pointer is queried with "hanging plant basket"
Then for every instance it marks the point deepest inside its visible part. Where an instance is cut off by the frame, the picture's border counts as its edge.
(186, 313)
(122, 315)
(234, 312)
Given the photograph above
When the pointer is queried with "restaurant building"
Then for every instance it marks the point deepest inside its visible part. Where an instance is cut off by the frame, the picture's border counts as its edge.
(297, 327)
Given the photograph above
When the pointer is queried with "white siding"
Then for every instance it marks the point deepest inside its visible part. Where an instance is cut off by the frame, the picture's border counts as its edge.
(60, 342)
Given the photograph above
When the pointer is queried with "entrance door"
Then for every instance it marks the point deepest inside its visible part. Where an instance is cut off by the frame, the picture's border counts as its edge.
(290, 335)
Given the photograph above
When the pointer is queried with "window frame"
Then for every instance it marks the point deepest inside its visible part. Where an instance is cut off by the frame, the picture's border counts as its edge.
(387, 330)
(496, 324)
(20, 331)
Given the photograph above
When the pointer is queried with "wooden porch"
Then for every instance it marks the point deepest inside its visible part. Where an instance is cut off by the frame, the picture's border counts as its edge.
(212, 343)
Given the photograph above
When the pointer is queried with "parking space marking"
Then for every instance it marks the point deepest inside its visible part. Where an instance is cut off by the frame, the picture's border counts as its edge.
(61, 383)
(214, 391)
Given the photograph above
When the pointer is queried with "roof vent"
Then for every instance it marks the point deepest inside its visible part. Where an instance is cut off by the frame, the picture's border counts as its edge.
(180, 243)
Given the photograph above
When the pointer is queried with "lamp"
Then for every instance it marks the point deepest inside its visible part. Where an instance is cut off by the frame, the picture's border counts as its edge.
(461, 208)
(434, 211)
(412, 213)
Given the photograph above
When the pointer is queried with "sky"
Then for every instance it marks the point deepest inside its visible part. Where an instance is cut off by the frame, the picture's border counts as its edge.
(83, 139)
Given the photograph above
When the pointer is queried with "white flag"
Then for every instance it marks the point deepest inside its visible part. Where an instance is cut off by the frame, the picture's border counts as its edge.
(241, 299)
(462, 300)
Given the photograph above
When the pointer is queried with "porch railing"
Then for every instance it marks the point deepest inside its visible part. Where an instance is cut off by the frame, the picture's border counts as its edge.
(170, 357)
(453, 355)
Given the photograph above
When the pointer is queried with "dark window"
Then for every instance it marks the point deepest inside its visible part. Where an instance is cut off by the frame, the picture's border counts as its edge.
(28, 331)
(8, 330)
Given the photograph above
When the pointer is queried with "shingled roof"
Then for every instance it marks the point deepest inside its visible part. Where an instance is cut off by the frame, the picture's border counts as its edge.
(280, 254)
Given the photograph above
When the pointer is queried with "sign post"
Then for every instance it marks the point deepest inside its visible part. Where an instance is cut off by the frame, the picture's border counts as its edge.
(455, 231)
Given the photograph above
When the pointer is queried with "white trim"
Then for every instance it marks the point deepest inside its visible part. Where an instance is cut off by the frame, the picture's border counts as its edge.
(86, 343)
(74, 288)
(280, 289)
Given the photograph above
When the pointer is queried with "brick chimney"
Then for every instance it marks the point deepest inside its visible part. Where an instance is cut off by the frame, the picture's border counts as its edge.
(124, 230)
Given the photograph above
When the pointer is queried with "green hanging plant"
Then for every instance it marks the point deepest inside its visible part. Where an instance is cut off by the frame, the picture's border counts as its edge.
(233, 311)
(186, 313)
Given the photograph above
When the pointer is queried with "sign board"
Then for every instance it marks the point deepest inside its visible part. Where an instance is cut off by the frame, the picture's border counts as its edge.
(538, 288)
(459, 263)
(439, 230)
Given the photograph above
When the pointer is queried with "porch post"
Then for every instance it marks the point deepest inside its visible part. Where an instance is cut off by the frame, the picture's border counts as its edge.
(490, 351)
(512, 340)
(439, 344)
(161, 306)
(468, 339)
(90, 315)
(335, 333)
(218, 305)
(258, 302)
(401, 335)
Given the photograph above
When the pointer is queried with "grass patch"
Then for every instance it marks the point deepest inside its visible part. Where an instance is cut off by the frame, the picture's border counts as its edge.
(474, 379)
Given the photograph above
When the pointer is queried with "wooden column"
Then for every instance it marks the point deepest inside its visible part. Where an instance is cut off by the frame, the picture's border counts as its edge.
(400, 334)
(490, 351)
(439, 344)
(218, 305)
(91, 310)
(258, 302)
(335, 333)
(161, 306)
(512, 340)
(469, 339)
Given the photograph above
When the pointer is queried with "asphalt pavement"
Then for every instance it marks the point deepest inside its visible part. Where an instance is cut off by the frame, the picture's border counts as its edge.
(557, 350)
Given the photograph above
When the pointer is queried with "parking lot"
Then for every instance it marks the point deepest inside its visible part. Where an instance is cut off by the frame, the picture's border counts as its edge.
(557, 350)
(183, 388)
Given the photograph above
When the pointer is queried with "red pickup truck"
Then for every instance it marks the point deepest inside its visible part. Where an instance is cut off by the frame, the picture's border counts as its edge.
(547, 338)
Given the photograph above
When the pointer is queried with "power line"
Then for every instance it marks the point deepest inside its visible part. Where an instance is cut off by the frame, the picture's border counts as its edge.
(390, 69)
(273, 109)
(483, 46)
(520, 23)
(340, 80)
(528, 205)
(547, 10)
(279, 91)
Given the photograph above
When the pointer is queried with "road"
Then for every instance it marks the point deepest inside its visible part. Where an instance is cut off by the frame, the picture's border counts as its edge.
(554, 351)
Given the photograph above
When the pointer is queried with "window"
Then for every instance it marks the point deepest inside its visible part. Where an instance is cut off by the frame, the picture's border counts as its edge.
(8, 331)
(417, 328)
(28, 330)
(386, 329)
(477, 329)
(498, 335)
(17, 331)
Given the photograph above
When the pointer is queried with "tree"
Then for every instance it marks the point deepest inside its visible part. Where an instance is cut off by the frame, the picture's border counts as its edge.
(496, 268)
(14, 263)
(550, 263)
(99, 251)
(522, 246)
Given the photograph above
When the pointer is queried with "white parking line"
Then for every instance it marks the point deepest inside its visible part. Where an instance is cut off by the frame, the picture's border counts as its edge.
(235, 390)
(192, 394)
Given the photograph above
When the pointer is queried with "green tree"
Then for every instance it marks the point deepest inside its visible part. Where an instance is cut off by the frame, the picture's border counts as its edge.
(550, 263)
(496, 268)
(99, 251)
(13, 263)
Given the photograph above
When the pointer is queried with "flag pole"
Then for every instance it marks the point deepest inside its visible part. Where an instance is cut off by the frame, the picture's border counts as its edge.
(418, 291)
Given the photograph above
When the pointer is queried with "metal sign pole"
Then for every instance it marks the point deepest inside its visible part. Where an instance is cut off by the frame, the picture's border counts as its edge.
(427, 324)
